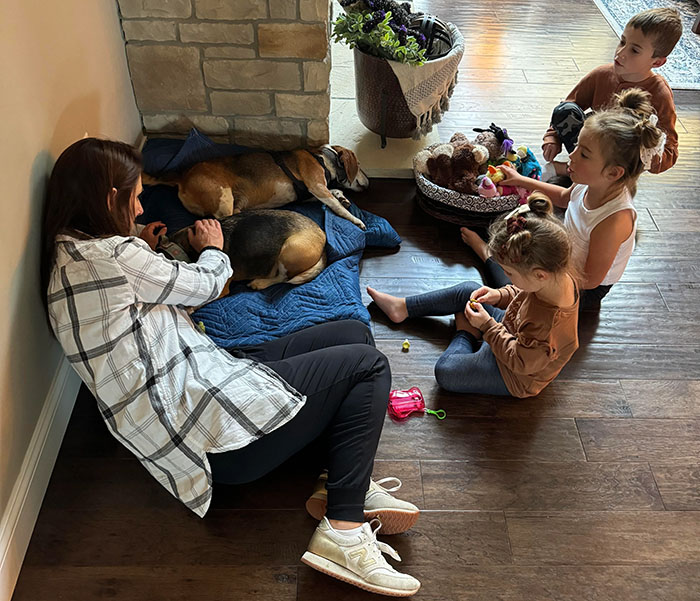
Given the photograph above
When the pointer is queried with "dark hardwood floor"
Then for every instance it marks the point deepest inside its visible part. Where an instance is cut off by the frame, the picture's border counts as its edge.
(590, 491)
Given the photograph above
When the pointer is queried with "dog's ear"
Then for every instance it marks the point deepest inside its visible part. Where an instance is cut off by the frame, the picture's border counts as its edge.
(349, 160)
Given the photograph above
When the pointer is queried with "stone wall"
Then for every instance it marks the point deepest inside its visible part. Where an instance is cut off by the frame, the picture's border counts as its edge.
(252, 72)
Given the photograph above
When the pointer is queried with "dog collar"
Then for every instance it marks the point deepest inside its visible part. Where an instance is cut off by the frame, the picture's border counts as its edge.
(341, 175)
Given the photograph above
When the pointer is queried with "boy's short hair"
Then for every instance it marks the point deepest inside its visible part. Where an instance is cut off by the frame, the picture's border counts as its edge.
(663, 25)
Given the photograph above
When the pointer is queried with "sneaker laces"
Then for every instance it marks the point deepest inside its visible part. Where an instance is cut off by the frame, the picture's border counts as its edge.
(375, 547)
(380, 483)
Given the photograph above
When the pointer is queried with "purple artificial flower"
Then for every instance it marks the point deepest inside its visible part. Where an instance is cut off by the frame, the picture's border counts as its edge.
(380, 14)
(421, 38)
(403, 28)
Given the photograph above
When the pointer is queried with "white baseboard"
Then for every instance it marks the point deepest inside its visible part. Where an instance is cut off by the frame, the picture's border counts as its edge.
(22, 510)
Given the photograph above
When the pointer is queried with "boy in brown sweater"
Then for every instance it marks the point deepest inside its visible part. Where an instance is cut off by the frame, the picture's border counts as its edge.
(647, 40)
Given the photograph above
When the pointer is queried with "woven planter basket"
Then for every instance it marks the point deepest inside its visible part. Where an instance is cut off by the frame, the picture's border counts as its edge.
(465, 209)
(379, 98)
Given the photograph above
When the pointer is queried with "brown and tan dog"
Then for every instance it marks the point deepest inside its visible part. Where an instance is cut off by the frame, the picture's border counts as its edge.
(229, 185)
(269, 247)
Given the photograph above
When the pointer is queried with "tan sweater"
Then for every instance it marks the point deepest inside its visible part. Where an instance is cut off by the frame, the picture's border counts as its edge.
(534, 341)
(596, 89)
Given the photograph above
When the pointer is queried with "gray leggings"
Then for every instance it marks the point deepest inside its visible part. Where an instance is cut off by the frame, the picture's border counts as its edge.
(466, 366)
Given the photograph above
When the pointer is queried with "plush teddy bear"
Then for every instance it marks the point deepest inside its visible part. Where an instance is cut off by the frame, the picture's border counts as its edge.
(454, 165)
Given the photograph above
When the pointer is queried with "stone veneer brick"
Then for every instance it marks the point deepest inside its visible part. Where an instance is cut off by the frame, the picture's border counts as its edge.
(292, 40)
(216, 33)
(251, 71)
(231, 10)
(313, 10)
(317, 133)
(151, 31)
(166, 77)
(136, 9)
(229, 52)
(310, 106)
(175, 123)
(316, 76)
(283, 9)
(240, 103)
(265, 133)
(252, 75)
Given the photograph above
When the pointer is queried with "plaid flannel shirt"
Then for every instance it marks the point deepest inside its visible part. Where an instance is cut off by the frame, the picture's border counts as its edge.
(165, 390)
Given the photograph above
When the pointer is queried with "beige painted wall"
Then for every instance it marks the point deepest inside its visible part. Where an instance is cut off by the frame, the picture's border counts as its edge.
(62, 73)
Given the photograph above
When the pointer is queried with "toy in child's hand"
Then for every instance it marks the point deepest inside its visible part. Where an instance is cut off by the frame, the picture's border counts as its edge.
(403, 403)
(496, 173)
(473, 303)
(527, 163)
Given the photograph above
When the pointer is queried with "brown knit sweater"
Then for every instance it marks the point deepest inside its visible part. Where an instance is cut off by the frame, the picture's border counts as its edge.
(533, 342)
(596, 89)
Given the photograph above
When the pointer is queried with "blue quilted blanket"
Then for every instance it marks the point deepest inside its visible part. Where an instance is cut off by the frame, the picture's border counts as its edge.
(246, 317)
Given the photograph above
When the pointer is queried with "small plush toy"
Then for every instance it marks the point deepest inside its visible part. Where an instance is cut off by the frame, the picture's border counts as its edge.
(496, 141)
(528, 165)
(454, 165)
(487, 189)
(496, 173)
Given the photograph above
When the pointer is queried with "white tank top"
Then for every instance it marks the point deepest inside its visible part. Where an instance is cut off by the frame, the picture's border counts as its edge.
(580, 222)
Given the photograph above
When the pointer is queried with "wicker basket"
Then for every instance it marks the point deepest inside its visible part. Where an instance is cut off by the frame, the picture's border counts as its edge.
(457, 207)
(381, 105)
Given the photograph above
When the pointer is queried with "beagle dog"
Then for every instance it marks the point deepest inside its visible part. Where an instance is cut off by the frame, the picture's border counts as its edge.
(226, 186)
(268, 247)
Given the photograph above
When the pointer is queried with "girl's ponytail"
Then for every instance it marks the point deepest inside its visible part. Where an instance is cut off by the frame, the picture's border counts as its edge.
(531, 237)
(627, 134)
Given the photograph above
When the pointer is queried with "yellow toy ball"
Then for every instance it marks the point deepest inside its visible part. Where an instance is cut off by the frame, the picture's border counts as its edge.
(405, 345)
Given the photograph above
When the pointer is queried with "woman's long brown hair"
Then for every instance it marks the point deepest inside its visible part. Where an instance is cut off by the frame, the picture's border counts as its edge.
(76, 202)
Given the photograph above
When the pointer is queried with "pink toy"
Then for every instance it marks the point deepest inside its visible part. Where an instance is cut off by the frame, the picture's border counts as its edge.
(404, 402)
(487, 188)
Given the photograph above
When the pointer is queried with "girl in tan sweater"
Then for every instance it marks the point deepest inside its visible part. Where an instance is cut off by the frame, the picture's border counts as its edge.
(516, 339)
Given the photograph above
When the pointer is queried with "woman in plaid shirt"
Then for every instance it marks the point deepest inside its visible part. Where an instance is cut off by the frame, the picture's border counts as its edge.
(191, 412)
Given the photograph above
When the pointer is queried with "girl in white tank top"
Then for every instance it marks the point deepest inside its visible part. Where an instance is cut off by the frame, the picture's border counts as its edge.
(581, 221)
(614, 147)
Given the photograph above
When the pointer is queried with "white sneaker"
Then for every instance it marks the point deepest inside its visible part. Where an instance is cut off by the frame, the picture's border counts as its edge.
(358, 559)
(395, 515)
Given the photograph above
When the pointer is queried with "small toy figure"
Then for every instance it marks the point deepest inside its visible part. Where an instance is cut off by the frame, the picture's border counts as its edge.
(405, 346)
(486, 188)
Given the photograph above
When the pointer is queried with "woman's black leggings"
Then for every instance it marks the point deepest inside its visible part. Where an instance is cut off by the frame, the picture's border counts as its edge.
(346, 381)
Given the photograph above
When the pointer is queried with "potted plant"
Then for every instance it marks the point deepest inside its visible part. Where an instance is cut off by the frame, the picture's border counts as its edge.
(396, 51)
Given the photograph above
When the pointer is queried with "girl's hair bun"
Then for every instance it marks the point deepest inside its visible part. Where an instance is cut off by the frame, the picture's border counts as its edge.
(540, 204)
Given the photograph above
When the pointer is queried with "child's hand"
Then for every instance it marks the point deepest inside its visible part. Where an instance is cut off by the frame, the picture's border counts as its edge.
(550, 150)
(512, 177)
(476, 314)
(486, 296)
(152, 233)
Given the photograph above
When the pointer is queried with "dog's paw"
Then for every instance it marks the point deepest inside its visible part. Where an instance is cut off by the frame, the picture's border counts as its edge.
(260, 283)
(338, 194)
(359, 224)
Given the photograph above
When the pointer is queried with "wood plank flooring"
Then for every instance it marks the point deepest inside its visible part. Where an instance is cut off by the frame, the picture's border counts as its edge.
(589, 491)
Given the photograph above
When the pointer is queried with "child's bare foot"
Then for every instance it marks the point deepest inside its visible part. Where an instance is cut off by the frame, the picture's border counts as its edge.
(462, 323)
(393, 306)
(474, 241)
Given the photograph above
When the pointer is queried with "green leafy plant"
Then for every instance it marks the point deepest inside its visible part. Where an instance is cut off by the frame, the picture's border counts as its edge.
(372, 33)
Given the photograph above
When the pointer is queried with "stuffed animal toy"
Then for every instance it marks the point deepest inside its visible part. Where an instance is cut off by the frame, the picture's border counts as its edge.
(528, 165)
(496, 141)
(455, 165)
(487, 189)
(496, 173)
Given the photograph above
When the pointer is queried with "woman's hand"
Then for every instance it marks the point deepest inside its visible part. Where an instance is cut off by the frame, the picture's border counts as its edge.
(486, 295)
(476, 314)
(550, 150)
(152, 233)
(206, 232)
(512, 177)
